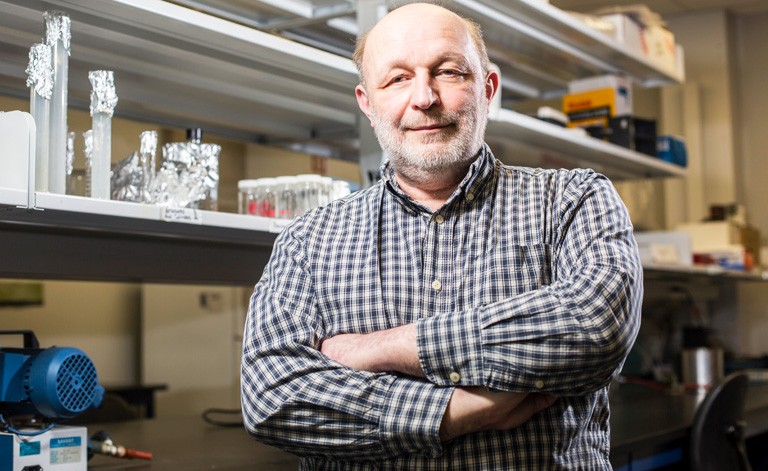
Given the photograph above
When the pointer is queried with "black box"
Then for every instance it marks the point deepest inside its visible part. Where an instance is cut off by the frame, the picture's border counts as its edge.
(634, 133)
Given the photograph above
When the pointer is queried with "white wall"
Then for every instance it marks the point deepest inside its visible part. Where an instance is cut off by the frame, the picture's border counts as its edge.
(705, 38)
(721, 111)
(101, 319)
(750, 33)
(192, 342)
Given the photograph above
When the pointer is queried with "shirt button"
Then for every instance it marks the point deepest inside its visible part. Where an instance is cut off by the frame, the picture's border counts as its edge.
(454, 377)
(439, 219)
(539, 384)
(470, 196)
(436, 285)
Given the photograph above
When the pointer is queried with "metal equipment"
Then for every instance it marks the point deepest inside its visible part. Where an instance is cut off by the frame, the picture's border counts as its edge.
(38, 388)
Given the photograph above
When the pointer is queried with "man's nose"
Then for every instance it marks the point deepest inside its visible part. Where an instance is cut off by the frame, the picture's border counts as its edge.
(425, 94)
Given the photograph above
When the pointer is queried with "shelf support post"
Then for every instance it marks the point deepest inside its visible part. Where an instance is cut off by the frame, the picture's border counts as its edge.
(369, 12)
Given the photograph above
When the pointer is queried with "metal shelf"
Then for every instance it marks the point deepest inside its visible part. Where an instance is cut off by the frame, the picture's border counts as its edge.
(708, 271)
(69, 237)
(215, 66)
(178, 66)
(518, 139)
(556, 46)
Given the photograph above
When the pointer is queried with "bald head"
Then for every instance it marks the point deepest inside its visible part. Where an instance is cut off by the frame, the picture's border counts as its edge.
(408, 20)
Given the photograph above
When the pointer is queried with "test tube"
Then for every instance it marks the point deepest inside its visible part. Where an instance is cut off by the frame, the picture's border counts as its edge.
(57, 36)
(88, 150)
(40, 83)
(103, 102)
(147, 152)
(70, 163)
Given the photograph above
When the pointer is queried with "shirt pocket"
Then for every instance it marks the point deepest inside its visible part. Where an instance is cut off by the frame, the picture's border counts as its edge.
(509, 270)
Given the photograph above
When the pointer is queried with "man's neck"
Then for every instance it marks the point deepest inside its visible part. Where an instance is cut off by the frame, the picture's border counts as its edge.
(432, 193)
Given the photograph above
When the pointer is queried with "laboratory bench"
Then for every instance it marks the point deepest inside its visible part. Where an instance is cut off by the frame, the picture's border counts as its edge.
(648, 428)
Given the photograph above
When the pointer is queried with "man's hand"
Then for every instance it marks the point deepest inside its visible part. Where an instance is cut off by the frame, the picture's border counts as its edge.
(391, 350)
(469, 410)
(476, 409)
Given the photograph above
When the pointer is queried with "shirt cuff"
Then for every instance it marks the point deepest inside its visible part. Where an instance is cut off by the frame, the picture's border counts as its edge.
(410, 420)
(450, 349)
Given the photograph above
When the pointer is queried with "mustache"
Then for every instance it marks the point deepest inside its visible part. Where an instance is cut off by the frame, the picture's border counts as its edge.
(430, 120)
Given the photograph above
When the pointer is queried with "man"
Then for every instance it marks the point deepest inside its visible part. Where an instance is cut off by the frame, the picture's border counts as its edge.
(460, 314)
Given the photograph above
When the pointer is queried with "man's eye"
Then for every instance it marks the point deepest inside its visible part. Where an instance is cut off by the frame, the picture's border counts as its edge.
(398, 79)
(450, 73)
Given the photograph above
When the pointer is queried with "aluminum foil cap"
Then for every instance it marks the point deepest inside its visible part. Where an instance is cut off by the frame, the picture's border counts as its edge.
(103, 95)
(148, 142)
(40, 70)
(58, 27)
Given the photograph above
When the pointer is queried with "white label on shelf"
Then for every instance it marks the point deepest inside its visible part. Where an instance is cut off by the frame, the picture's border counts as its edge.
(186, 215)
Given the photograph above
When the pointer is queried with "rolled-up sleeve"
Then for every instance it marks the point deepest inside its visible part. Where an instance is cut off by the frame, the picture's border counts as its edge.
(572, 334)
(296, 398)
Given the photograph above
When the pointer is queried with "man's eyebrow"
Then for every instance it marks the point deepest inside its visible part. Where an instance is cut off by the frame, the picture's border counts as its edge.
(460, 59)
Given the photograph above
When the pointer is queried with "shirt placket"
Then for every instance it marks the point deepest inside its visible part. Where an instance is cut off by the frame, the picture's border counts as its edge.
(437, 280)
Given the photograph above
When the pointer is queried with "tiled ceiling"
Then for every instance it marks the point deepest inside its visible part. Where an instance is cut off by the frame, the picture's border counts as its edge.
(667, 8)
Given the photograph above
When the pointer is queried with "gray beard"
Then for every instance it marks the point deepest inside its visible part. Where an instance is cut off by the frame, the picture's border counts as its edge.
(437, 156)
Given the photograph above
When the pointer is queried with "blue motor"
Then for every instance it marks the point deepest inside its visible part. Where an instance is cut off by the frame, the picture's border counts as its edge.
(53, 383)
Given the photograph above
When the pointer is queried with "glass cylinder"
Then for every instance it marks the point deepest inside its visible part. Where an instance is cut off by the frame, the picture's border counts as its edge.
(285, 197)
(58, 36)
(325, 192)
(40, 82)
(309, 191)
(103, 102)
(266, 198)
(340, 189)
(246, 200)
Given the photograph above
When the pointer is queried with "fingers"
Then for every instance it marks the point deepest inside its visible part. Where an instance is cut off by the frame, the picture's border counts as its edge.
(530, 406)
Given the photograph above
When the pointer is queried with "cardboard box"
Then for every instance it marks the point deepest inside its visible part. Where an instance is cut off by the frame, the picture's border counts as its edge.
(627, 32)
(662, 49)
(592, 101)
(724, 239)
(597, 82)
(596, 107)
(710, 235)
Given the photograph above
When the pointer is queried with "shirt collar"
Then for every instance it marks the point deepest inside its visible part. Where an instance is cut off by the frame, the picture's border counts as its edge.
(479, 172)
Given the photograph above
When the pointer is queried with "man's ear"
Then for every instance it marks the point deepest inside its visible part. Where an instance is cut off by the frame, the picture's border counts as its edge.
(363, 102)
(491, 84)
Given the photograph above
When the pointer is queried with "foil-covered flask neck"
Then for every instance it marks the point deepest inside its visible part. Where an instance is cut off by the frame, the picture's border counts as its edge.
(58, 27)
(40, 70)
(103, 95)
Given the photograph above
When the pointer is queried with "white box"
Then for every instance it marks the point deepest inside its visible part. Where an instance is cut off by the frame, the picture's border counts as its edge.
(62, 448)
(627, 32)
(664, 248)
(711, 235)
(17, 135)
(598, 82)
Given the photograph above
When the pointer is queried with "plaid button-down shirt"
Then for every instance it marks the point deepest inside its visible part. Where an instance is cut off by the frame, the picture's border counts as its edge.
(525, 280)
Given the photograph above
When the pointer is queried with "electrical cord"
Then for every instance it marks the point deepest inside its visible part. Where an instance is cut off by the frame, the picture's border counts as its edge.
(208, 413)
(21, 433)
